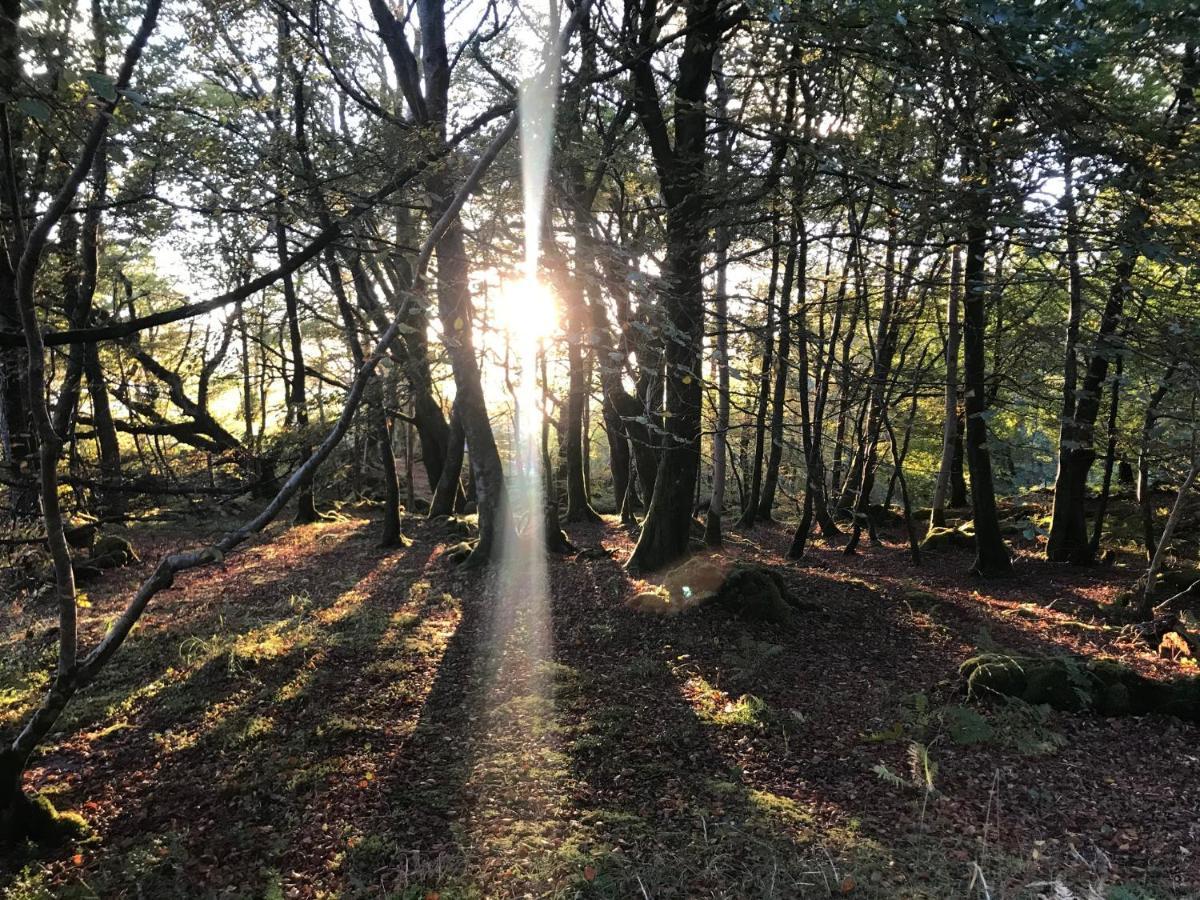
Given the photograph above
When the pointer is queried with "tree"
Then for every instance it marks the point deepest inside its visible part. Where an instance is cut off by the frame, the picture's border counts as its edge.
(681, 168)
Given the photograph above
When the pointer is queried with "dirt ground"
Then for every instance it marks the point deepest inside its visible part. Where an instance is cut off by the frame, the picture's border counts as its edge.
(320, 718)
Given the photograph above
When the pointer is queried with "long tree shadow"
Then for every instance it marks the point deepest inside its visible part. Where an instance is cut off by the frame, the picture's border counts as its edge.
(220, 728)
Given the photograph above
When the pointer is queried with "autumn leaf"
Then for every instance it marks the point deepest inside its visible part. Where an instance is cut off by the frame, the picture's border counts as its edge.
(589, 873)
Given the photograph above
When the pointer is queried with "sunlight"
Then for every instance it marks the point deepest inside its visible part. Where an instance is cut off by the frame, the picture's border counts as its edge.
(527, 311)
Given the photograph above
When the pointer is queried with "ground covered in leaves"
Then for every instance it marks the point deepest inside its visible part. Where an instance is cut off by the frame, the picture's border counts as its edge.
(325, 719)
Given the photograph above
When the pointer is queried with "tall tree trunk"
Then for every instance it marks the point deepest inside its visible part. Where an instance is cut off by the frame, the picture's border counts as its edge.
(941, 490)
(579, 507)
(754, 495)
(1068, 527)
(991, 555)
(1110, 458)
(449, 488)
(716, 503)
(1144, 495)
(681, 171)
(792, 271)
(959, 497)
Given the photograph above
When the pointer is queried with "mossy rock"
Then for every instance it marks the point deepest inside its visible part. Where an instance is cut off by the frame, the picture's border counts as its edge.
(34, 818)
(918, 599)
(111, 551)
(1078, 684)
(82, 537)
(455, 526)
(458, 553)
(1176, 580)
(949, 538)
(757, 594)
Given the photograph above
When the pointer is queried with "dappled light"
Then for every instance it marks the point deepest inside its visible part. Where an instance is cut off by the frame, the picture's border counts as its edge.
(588, 451)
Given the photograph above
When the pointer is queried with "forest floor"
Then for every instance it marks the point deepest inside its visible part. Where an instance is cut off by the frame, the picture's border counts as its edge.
(325, 719)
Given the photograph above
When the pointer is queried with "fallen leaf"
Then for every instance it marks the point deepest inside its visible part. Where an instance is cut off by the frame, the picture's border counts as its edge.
(589, 873)
(848, 884)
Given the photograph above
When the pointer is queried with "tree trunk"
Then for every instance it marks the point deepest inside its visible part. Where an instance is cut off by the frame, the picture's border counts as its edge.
(579, 507)
(1110, 458)
(1068, 526)
(937, 517)
(449, 488)
(754, 495)
(885, 346)
(681, 172)
(1144, 498)
(1146, 608)
(792, 271)
(991, 555)
(716, 503)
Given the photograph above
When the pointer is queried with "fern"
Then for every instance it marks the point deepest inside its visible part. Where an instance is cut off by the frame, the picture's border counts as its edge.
(924, 768)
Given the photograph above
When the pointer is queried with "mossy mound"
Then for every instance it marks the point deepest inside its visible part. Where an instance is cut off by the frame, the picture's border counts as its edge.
(1078, 684)
(962, 537)
(458, 553)
(918, 599)
(110, 551)
(34, 818)
(757, 594)
(455, 526)
(1176, 580)
(885, 515)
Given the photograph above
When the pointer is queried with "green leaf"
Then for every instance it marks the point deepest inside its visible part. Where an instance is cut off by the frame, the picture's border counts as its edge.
(104, 87)
(34, 108)
(966, 725)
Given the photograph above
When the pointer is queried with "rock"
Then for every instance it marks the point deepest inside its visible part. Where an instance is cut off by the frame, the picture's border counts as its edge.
(945, 538)
(1078, 684)
(455, 526)
(756, 593)
(110, 551)
(458, 553)
(82, 537)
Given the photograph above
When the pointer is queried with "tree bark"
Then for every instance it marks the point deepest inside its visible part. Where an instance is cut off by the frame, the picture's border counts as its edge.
(991, 555)
(937, 518)
(681, 175)
(1110, 458)
(793, 271)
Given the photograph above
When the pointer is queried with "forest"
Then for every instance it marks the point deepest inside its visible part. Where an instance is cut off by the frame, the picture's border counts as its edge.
(461, 449)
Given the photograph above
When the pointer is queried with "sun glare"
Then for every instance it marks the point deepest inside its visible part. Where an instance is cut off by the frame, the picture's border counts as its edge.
(527, 310)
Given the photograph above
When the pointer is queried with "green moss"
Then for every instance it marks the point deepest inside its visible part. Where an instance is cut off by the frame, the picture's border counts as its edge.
(757, 594)
(937, 539)
(35, 819)
(1077, 684)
